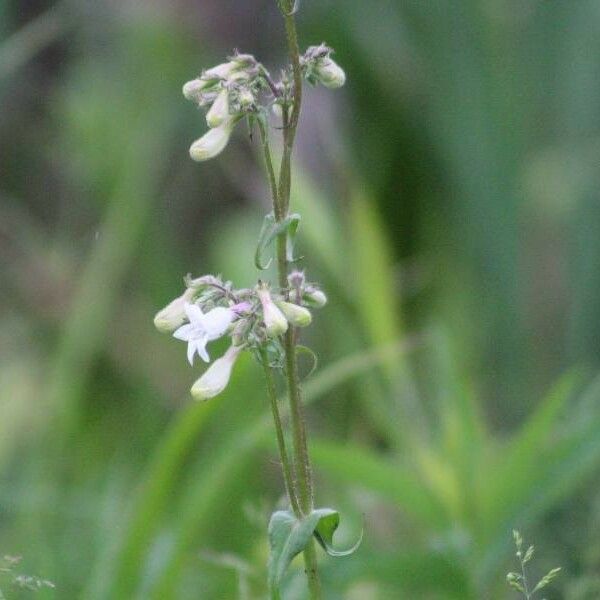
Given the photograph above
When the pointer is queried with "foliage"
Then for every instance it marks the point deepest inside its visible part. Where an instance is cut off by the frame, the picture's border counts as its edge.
(458, 235)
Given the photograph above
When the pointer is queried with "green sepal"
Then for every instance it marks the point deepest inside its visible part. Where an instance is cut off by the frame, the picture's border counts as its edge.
(270, 230)
(288, 536)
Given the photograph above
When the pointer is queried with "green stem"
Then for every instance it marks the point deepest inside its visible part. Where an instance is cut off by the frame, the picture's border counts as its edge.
(285, 462)
(301, 457)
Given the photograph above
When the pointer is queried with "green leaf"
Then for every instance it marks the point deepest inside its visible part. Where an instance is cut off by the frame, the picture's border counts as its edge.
(326, 528)
(271, 228)
(288, 536)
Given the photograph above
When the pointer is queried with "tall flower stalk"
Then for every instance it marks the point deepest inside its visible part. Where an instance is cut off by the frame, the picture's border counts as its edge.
(265, 319)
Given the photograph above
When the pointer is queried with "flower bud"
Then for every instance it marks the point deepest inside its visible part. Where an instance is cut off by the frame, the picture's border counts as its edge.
(212, 143)
(192, 90)
(173, 315)
(298, 316)
(216, 377)
(222, 71)
(329, 73)
(240, 332)
(275, 323)
(314, 297)
(219, 111)
(246, 98)
(244, 60)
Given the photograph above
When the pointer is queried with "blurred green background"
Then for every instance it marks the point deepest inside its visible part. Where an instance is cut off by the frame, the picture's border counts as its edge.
(450, 203)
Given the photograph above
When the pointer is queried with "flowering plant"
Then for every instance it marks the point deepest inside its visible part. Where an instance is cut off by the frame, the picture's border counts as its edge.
(264, 319)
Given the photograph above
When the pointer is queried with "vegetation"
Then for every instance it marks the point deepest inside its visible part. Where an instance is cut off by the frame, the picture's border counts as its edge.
(449, 205)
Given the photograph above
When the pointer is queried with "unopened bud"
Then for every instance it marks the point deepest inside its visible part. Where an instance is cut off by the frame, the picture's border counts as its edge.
(329, 73)
(246, 98)
(275, 322)
(315, 297)
(222, 71)
(298, 316)
(216, 377)
(212, 143)
(219, 111)
(173, 315)
(192, 90)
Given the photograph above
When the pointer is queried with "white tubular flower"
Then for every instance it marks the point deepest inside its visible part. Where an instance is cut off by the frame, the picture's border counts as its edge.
(173, 315)
(216, 377)
(212, 143)
(329, 73)
(219, 111)
(315, 298)
(222, 71)
(275, 323)
(192, 90)
(203, 328)
(298, 316)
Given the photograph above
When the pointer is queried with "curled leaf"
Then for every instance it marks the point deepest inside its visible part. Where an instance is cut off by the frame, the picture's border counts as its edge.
(328, 523)
(315, 361)
(270, 229)
(289, 535)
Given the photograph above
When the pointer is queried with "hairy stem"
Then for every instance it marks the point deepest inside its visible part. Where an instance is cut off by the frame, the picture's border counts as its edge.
(283, 455)
(301, 458)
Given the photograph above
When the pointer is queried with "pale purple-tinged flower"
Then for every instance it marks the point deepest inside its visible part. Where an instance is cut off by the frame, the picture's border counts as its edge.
(216, 377)
(275, 323)
(203, 328)
(241, 308)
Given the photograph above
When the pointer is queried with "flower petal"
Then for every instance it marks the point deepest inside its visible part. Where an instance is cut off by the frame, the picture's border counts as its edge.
(216, 321)
(201, 347)
(194, 313)
(191, 350)
(184, 332)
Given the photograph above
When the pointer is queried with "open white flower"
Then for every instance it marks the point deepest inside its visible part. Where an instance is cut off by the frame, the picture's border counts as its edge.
(216, 377)
(203, 328)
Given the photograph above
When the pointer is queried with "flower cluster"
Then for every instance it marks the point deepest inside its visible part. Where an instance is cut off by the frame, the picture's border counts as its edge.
(243, 87)
(229, 90)
(319, 67)
(253, 318)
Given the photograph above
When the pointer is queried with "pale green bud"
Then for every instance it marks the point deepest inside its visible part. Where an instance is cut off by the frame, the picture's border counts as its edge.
(216, 377)
(329, 73)
(222, 71)
(298, 316)
(192, 90)
(315, 298)
(212, 143)
(219, 111)
(246, 98)
(275, 322)
(173, 315)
